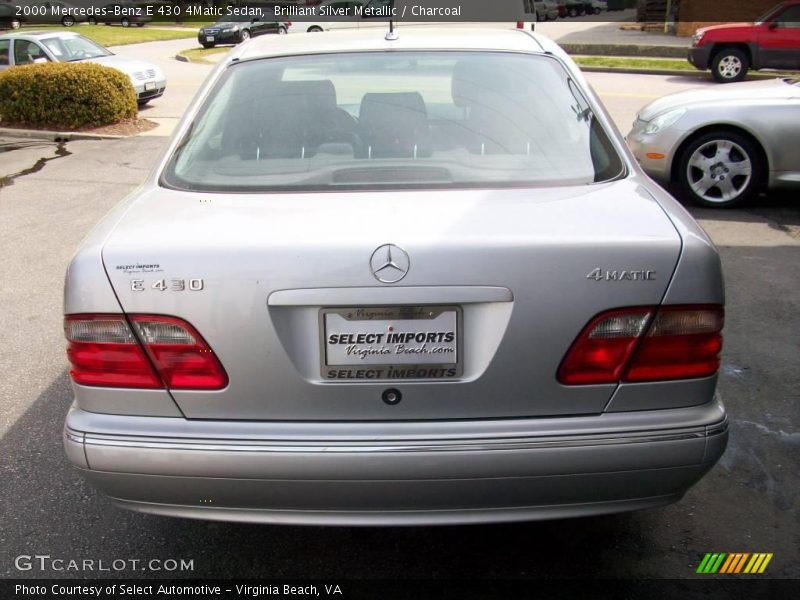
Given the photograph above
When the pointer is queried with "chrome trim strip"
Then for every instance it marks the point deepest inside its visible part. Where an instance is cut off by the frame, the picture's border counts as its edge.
(361, 296)
(409, 446)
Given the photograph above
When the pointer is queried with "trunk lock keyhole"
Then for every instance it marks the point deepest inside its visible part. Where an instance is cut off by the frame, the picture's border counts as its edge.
(391, 396)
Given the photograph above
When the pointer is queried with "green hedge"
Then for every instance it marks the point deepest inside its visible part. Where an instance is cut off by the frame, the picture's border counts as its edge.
(65, 95)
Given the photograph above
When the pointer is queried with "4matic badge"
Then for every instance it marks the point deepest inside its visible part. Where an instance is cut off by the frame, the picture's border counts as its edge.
(599, 274)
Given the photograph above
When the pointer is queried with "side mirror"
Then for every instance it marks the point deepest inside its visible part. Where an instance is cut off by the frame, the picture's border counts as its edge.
(773, 25)
(254, 20)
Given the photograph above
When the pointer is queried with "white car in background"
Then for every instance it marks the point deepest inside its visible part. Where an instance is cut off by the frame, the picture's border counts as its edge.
(148, 79)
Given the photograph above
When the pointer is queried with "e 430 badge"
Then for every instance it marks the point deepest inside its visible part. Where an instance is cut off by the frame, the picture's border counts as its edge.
(164, 285)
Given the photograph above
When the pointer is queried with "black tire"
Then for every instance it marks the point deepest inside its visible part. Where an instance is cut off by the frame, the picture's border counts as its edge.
(314, 29)
(572, 12)
(140, 24)
(125, 22)
(92, 21)
(15, 24)
(729, 65)
(723, 169)
(282, 31)
(244, 35)
(597, 11)
(68, 21)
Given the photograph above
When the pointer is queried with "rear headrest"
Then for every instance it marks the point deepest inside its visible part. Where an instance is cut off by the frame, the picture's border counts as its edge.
(315, 94)
(476, 79)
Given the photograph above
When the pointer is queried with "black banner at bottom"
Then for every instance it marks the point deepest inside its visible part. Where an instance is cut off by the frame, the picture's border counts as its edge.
(710, 588)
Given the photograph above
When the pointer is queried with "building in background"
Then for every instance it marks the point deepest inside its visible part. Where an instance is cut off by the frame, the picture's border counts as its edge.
(688, 15)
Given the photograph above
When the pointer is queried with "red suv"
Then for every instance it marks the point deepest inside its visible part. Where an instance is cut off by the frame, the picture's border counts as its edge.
(772, 42)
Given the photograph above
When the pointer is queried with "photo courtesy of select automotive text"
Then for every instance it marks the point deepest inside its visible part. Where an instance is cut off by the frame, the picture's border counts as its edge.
(399, 299)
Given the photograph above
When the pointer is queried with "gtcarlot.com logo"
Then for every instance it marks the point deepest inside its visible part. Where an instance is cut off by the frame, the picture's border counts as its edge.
(45, 562)
(734, 563)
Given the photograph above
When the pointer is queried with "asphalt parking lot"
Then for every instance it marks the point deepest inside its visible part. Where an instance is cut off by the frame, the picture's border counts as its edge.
(50, 196)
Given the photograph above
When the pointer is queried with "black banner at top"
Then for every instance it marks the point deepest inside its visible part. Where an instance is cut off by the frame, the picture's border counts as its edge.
(171, 11)
(33, 12)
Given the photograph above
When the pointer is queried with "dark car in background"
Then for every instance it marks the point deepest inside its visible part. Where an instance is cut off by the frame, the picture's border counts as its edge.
(233, 29)
(575, 8)
(122, 13)
(9, 18)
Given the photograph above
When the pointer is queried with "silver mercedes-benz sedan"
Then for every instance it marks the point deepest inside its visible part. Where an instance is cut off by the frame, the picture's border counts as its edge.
(722, 145)
(395, 279)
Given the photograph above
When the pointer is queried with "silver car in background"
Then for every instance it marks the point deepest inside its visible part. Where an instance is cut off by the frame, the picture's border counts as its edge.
(722, 145)
(148, 79)
(411, 279)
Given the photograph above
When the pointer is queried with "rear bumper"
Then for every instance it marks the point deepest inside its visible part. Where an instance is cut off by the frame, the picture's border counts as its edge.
(220, 37)
(156, 90)
(400, 474)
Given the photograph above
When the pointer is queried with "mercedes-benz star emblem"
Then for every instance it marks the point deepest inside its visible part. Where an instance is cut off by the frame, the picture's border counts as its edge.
(389, 263)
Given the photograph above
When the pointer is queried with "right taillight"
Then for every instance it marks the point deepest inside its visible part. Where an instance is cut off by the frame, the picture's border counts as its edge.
(646, 344)
(162, 352)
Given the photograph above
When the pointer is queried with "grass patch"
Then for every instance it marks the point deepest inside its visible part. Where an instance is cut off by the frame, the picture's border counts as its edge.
(110, 35)
(198, 55)
(634, 63)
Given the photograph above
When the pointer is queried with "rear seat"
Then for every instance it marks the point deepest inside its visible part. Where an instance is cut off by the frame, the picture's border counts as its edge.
(299, 117)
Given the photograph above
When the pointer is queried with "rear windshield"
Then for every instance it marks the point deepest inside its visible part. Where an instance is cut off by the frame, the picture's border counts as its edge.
(393, 120)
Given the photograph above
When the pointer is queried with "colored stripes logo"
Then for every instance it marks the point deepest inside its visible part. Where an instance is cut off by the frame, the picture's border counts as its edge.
(734, 563)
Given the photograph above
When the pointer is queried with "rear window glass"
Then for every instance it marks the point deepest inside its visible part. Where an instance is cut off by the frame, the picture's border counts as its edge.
(393, 120)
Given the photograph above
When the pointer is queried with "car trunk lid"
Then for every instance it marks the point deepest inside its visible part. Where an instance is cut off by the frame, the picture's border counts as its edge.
(515, 273)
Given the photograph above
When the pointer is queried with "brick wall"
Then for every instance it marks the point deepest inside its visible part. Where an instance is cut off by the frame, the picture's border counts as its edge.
(700, 13)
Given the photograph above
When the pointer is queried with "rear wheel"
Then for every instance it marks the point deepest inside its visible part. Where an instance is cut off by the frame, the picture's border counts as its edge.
(125, 22)
(244, 35)
(314, 29)
(92, 21)
(282, 30)
(720, 169)
(15, 24)
(729, 65)
(68, 21)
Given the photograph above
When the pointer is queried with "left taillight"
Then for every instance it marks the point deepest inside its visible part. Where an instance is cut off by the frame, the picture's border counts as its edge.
(158, 352)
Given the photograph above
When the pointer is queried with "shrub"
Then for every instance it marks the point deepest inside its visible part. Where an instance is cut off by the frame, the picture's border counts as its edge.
(65, 95)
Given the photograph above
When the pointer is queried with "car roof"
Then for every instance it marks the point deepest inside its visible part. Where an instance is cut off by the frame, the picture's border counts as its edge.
(39, 35)
(498, 37)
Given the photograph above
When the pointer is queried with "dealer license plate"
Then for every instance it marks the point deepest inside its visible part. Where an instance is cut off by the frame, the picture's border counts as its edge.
(149, 85)
(209, 38)
(380, 343)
